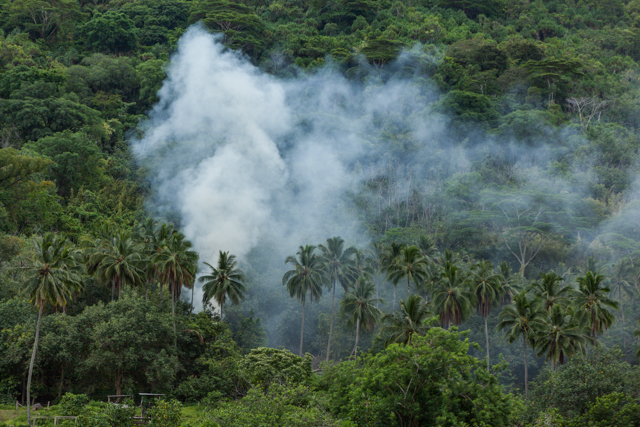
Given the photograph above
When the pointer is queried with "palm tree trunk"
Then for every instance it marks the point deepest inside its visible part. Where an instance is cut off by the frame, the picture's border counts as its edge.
(408, 287)
(192, 289)
(526, 367)
(394, 298)
(113, 289)
(173, 314)
(331, 323)
(33, 358)
(302, 328)
(486, 333)
(355, 349)
(146, 291)
(377, 297)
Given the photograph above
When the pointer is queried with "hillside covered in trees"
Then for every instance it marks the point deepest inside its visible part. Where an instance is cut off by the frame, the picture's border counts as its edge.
(322, 213)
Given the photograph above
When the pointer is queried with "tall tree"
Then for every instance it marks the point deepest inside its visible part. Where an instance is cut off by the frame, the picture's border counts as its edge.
(117, 260)
(411, 319)
(550, 291)
(177, 266)
(521, 319)
(451, 296)
(487, 288)
(362, 267)
(52, 277)
(224, 281)
(306, 276)
(360, 307)
(390, 262)
(560, 335)
(338, 267)
(412, 265)
(620, 276)
(591, 300)
(509, 282)
(375, 255)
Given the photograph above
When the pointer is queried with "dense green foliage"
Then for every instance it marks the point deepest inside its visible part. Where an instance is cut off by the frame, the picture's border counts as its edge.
(541, 96)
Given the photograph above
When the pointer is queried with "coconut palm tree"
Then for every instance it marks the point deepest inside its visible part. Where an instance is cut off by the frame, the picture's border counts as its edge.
(560, 336)
(338, 268)
(620, 276)
(362, 267)
(428, 249)
(411, 319)
(636, 333)
(117, 260)
(52, 277)
(451, 296)
(487, 288)
(521, 318)
(550, 292)
(375, 255)
(177, 267)
(390, 262)
(509, 281)
(305, 277)
(412, 265)
(591, 300)
(360, 307)
(224, 281)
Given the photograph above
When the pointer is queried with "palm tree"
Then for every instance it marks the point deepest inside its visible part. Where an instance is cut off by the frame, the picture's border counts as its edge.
(451, 296)
(117, 260)
(359, 305)
(522, 319)
(362, 267)
(412, 319)
(636, 333)
(621, 273)
(306, 276)
(224, 282)
(338, 267)
(412, 265)
(428, 249)
(390, 262)
(487, 288)
(591, 300)
(177, 267)
(560, 335)
(375, 259)
(509, 282)
(550, 292)
(52, 278)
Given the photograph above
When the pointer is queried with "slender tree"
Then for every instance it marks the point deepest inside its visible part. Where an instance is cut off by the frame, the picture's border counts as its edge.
(177, 267)
(411, 319)
(52, 277)
(412, 265)
(509, 282)
(428, 249)
(119, 261)
(451, 296)
(560, 336)
(360, 307)
(338, 267)
(389, 264)
(522, 318)
(306, 276)
(487, 288)
(621, 288)
(550, 291)
(591, 300)
(362, 267)
(224, 281)
(375, 255)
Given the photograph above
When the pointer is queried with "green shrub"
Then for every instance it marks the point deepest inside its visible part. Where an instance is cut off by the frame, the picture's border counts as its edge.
(72, 404)
(166, 413)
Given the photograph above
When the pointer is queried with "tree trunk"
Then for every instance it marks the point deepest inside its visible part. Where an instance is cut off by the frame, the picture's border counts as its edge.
(302, 328)
(526, 367)
(355, 349)
(118, 381)
(146, 292)
(33, 358)
(113, 290)
(377, 297)
(61, 382)
(394, 298)
(173, 314)
(486, 333)
(193, 287)
(331, 323)
(408, 287)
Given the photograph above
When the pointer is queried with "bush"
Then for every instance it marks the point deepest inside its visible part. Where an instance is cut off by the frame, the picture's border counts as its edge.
(73, 404)
(166, 413)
